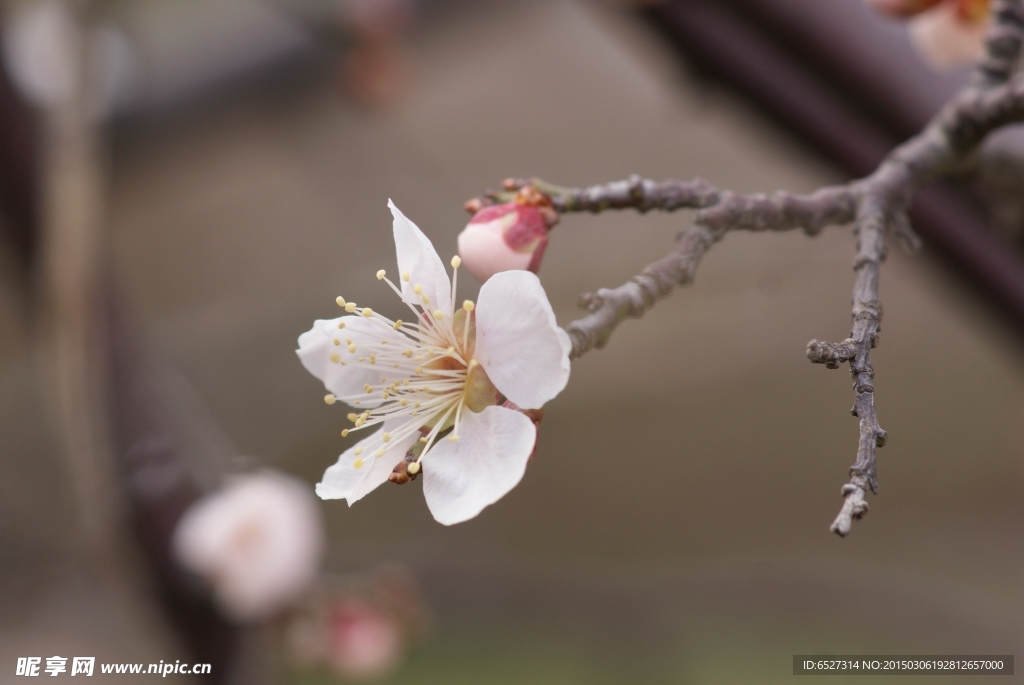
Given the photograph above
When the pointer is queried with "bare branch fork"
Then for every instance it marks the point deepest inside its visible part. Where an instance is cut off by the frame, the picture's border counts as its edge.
(876, 205)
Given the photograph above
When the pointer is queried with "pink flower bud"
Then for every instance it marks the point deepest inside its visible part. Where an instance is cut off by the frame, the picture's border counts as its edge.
(505, 237)
(951, 34)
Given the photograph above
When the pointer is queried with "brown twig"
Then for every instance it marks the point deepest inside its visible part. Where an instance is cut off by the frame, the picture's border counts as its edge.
(876, 204)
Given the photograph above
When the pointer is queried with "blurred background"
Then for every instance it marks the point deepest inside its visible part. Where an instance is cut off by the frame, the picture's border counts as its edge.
(185, 186)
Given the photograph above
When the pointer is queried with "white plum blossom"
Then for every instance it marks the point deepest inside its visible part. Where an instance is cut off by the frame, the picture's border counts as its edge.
(258, 542)
(435, 385)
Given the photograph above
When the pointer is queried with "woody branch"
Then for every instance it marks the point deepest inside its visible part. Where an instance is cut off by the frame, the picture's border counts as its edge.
(876, 205)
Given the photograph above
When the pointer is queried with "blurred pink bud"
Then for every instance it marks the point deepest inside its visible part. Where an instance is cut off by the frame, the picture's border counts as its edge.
(364, 642)
(902, 8)
(951, 34)
(505, 237)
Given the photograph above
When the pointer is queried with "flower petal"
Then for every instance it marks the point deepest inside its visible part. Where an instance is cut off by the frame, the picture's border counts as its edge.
(344, 480)
(417, 257)
(518, 342)
(489, 459)
(344, 380)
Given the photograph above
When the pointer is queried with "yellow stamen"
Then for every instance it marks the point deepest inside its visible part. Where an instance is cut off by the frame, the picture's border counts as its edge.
(341, 324)
(340, 300)
(418, 289)
(352, 347)
(405, 276)
(358, 463)
(381, 274)
(453, 438)
(350, 307)
(330, 399)
(367, 312)
(438, 314)
(413, 468)
(335, 357)
(357, 451)
(468, 305)
(456, 261)
(397, 325)
(344, 432)
(387, 437)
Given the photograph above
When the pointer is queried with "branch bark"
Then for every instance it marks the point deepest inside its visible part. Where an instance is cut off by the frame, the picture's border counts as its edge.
(877, 204)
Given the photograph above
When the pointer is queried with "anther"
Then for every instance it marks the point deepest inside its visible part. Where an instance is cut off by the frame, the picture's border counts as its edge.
(357, 451)
(450, 350)
(381, 274)
(403, 402)
(386, 437)
(352, 347)
(456, 261)
(344, 432)
(341, 324)
(383, 341)
(473, 363)
(423, 440)
(418, 289)
(397, 325)
(453, 438)
(330, 399)
(407, 354)
(337, 342)
(367, 388)
(352, 417)
(424, 299)
(405, 276)
(367, 312)
(438, 314)
(373, 358)
(358, 463)
(413, 468)
(380, 452)
(335, 357)
(350, 307)
(468, 305)
(340, 300)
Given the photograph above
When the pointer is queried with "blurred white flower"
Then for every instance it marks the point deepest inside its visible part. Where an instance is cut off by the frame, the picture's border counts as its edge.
(950, 34)
(258, 542)
(42, 46)
(433, 385)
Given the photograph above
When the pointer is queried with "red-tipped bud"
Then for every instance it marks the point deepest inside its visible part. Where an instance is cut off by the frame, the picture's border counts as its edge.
(505, 237)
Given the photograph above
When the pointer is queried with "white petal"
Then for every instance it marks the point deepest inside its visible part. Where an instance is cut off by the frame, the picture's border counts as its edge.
(344, 480)
(489, 459)
(417, 257)
(317, 345)
(518, 342)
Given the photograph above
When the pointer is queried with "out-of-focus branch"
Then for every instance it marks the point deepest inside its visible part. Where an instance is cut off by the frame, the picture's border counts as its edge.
(877, 204)
(72, 257)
